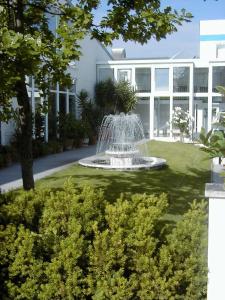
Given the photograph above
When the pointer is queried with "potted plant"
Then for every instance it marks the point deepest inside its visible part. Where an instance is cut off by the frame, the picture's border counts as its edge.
(80, 133)
(90, 115)
(67, 126)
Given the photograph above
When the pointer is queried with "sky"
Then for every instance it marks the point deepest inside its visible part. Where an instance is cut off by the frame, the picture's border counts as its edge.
(185, 42)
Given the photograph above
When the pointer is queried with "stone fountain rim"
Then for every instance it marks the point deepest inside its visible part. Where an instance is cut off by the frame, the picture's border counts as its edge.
(151, 162)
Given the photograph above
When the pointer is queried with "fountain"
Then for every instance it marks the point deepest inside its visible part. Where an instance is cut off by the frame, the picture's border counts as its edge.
(122, 145)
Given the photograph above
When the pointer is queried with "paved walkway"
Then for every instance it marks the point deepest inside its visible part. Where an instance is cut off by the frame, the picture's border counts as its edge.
(218, 171)
(10, 178)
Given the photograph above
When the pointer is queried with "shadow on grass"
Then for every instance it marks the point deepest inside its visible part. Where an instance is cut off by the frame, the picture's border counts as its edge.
(181, 188)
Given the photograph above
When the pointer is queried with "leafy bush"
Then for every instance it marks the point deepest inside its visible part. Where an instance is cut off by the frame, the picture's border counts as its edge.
(71, 129)
(5, 156)
(90, 114)
(55, 146)
(40, 148)
(73, 244)
(214, 142)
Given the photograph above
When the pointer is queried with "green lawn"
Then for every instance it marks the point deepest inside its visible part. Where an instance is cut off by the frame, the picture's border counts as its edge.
(184, 178)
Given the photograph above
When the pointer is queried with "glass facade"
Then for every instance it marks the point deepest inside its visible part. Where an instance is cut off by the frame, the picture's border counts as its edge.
(162, 79)
(201, 80)
(218, 105)
(62, 103)
(143, 79)
(161, 116)
(52, 116)
(181, 79)
(218, 77)
(143, 110)
(182, 102)
(72, 104)
(124, 75)
(105, 74)
(200, 114)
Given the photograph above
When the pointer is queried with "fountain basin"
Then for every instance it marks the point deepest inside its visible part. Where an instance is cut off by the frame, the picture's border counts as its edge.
(103, 162)
(122, 145)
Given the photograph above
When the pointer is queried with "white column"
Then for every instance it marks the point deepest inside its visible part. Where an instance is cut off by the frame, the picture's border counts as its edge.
(216, 241)
(133, 82)
(171, 98)
(210, 98)
(115, 70)
(151, 106)
(151, 114)
(191, 95)
(191, 90)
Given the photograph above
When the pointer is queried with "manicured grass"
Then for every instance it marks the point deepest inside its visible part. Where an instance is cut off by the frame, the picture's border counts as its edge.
(184, 178)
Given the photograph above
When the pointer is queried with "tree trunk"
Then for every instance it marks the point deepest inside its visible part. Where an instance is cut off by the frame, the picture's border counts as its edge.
(25, 136)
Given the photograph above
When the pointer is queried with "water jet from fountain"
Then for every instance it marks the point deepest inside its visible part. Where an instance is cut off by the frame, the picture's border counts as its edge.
(122, 145)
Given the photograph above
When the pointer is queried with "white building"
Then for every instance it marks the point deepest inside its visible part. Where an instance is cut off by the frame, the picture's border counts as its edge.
(161, 84)
(165, 83)
(61, 100)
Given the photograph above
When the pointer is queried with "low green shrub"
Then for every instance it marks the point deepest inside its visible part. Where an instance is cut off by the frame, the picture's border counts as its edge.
(40, 148)
(55, 146)
(6, 158)
(73, 244)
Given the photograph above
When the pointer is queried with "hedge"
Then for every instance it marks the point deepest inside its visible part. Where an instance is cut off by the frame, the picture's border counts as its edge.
(74, 244)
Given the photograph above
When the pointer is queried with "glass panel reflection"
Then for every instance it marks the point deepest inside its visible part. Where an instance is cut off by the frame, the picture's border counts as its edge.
(161, 116)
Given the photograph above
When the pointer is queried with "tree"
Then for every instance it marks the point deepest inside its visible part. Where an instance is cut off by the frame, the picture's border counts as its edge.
(114, 97)
(125, 97)
(28, 47)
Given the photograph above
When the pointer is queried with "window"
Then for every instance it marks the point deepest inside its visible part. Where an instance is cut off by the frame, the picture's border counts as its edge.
(124, 75)
(200, 114)
(161, 79)
(161, 116)
(143, 110)
(201, 80)
(218, 77)
(72, 104)
(220, 51)
(105, 73)
(62, 103)
(143, 79)
(52, 119)
(181, 79)
(141, 99)
(182, 102)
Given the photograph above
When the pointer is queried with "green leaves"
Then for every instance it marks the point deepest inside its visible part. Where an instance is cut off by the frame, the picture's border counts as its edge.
(213, 141)
(139, 21)
(30, 46)
(114, 97)
(73, 244)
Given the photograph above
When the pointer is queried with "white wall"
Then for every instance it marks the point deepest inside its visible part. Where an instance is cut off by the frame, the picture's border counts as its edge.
(210, 45)
(92, 51)
(216, 240)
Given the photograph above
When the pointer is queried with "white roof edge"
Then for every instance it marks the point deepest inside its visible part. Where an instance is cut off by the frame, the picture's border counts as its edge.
(158, 61)
(145, 61)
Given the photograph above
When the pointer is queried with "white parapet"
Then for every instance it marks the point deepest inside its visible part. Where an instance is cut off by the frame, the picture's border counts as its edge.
(216, 241)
